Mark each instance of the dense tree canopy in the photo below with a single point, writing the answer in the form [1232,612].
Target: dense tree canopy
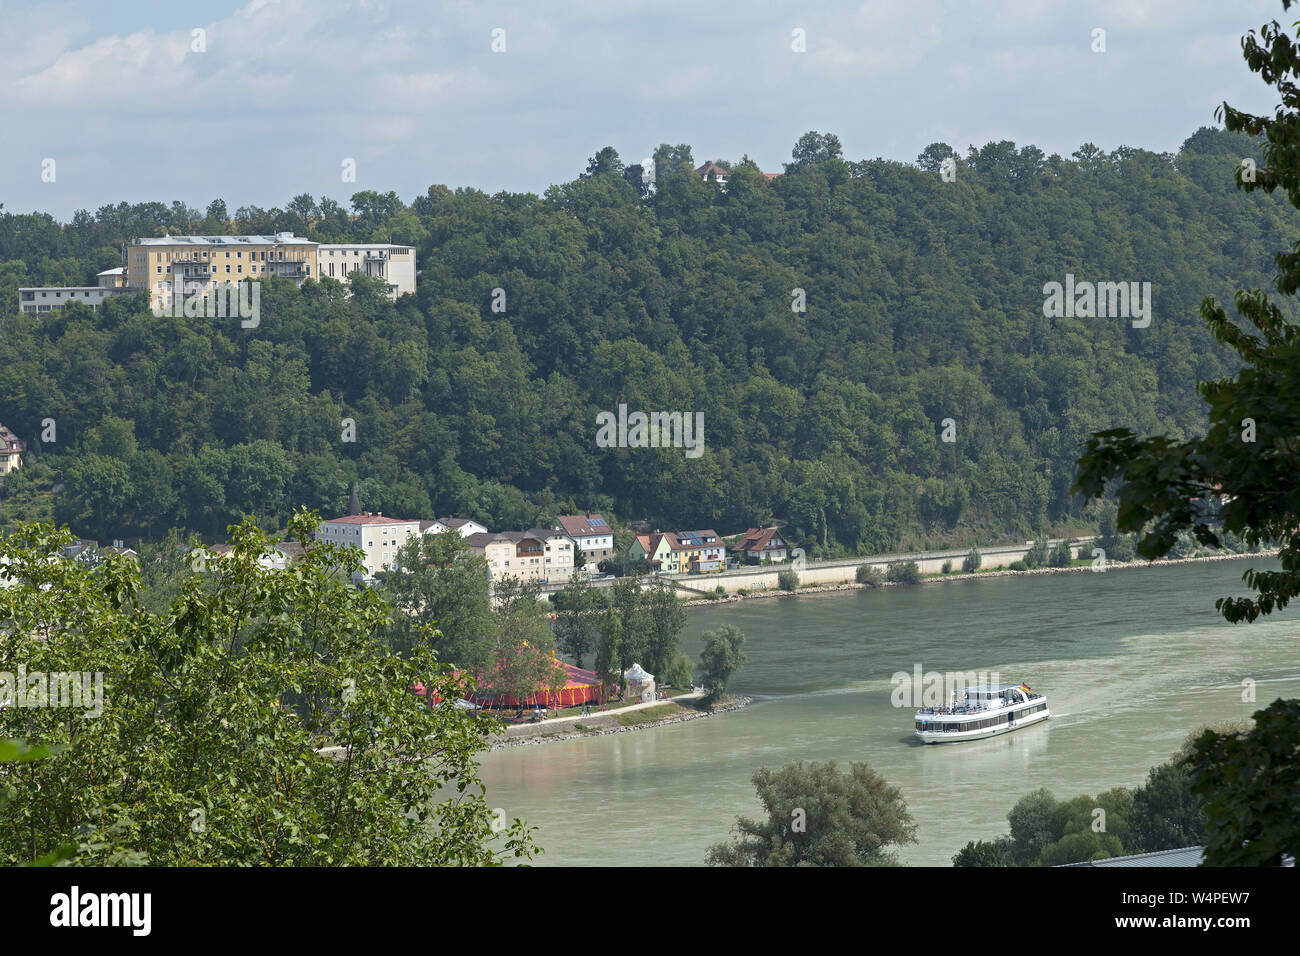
[818,815]
[258,720]
[825,322]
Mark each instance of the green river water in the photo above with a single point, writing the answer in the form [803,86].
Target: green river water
[1130,661]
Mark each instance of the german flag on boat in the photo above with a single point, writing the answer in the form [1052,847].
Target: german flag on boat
[1024,687]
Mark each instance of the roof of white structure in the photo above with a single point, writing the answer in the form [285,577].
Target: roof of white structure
[1184,856]
[361,245]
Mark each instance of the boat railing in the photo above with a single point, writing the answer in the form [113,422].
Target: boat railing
[955,711]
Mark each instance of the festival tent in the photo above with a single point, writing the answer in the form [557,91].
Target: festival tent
[581,687]
[640,683]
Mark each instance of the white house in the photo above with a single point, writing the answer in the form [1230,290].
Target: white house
[465,526]
[592,534]
[378,537]
[557,566]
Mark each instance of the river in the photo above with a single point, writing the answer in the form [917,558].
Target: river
[1130,661]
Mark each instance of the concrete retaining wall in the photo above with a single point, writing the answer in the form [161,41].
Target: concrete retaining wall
[841,571]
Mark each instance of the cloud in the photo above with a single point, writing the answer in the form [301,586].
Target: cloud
[412,90]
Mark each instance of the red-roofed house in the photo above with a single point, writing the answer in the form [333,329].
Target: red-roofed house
[716,170]
[763,544]
[592,534]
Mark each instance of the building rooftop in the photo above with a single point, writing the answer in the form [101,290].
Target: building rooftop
[364,245]
[1186,856]
[369,519]
[757,539]
[279,239]
[586,525]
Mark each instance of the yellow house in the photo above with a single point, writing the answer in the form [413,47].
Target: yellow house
[169,267]
[701,552]
[11,451]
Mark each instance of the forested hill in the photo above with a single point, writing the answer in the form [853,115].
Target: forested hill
[924,302]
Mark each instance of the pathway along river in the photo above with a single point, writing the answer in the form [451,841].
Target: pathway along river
[1130,660]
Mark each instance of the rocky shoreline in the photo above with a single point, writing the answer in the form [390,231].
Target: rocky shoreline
[733,703]
[962,576]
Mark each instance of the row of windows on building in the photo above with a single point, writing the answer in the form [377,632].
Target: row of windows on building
[202,255]
[71,293]
[987,722]
[239,269]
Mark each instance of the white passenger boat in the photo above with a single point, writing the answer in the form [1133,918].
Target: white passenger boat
[979,712]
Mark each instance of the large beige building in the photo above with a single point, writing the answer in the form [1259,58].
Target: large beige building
[394,264]
[538,554]
[378,537]
[173,266]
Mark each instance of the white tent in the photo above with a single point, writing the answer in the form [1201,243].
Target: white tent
[640,683]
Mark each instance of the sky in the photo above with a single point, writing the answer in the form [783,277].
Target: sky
[257,102]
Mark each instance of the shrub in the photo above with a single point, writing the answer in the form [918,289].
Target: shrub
[1036,556]
[870,574]
[1121,549]
[971,563]
[947,566]
[677,672]
[1018,566]
[787,580]
[903,572]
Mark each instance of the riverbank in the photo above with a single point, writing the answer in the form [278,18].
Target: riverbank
[608,722]
[805,591]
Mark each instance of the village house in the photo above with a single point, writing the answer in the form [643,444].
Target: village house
[559,552]
[702,552]
[719,174]
[543,555]
[465,526]
[657,549]
[592,534]
[681,552]
[763,545]
[11,451]
[716,170]
[378,537]
[278,558]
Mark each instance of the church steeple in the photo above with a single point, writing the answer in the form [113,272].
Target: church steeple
[354,503]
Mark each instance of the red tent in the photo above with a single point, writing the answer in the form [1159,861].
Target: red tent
[582,687]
